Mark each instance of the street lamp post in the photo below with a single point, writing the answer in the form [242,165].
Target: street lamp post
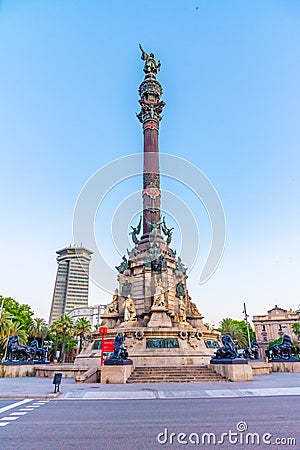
[247,324]
[46,346]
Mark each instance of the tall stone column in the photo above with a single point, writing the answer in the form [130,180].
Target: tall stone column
[150,92]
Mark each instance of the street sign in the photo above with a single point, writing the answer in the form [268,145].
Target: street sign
[102,331]
[108,345]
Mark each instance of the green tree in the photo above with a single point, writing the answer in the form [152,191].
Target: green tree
[38,329]
[237,329]
[56,329]
[67,329]
[14,319]
[276,341]
[4,324]
[296,329]
[14,327]
[71,343]
[82,326]
[21,313]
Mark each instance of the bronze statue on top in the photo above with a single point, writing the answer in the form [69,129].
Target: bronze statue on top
[150,64]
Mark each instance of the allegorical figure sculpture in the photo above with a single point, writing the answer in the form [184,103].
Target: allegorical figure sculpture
[150,64]
[228,350]
[180,266]
[16,350]
[129,310]
[136,231]
[123,266]
[113,307]
[153,227]
[181,310]
[180,290]
[126,289]
[252,351]
[281,351]
[120,354]
[37,351]
[159,295]
[192,308]
[167,231]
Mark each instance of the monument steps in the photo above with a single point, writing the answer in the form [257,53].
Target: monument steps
[174,374]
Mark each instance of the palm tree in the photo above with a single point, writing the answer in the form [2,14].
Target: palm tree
[67,328]
[56,328]
[82,326]
[4,324]
[38,329]
[229,326]
[14,328]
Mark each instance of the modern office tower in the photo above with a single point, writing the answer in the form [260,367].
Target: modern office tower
[72,281]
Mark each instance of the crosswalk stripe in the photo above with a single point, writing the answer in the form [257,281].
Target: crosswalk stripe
[9,418]
[14,405]
[2,424]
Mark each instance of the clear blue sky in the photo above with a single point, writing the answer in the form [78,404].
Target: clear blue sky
[230,70]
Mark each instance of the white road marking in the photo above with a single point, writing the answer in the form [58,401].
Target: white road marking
[15,405]
[21,412]
[9,418]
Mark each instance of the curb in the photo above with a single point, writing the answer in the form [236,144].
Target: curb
[4,396]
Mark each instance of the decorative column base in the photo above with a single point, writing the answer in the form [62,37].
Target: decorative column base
[130,323]
[159,318]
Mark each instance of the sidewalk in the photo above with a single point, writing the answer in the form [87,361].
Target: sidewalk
[263,385]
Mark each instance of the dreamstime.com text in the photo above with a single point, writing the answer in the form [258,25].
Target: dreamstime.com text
[241,436]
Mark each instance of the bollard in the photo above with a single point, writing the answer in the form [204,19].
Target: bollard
[57,381]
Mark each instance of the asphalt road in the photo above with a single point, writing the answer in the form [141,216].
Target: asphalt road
[136,424]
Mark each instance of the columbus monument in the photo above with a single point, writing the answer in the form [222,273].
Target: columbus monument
[151,305]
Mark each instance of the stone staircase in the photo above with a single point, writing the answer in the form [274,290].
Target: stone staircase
[174,374]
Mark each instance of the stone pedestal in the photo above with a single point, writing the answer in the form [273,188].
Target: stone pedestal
[189,346]
[260,367]
[109,319]
[17,370]
[159,318]
[116,374]
[234,372]
[287,366]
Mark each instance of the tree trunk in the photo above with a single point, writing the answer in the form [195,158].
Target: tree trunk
[56,347]
[62,356]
